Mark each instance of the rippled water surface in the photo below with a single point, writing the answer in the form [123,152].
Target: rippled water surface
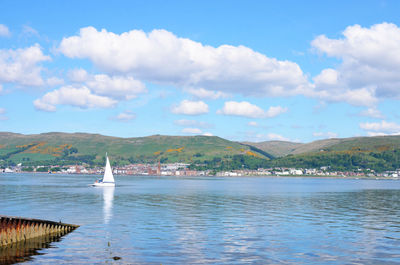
[200,220]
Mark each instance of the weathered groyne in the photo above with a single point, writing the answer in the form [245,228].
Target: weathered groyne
[18,229]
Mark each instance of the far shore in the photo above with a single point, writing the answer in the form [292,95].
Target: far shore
[194,176]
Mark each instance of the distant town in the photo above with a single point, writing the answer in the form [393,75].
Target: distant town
[182,169]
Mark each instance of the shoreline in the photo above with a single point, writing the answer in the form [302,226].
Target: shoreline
[195,176]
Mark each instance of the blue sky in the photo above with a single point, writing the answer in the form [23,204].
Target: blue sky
[241,70]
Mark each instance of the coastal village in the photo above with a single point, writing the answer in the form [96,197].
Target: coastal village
[182,169]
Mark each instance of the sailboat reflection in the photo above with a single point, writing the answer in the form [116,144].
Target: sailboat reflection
[108,197]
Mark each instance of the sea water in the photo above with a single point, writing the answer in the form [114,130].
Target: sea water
[211,220]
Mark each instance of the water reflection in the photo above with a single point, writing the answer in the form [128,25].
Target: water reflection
[24,250]
[108,197]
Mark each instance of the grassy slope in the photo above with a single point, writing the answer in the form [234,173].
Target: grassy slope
[280,148]
[172,148]
[276,148]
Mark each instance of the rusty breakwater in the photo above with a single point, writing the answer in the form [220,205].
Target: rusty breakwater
[18,229]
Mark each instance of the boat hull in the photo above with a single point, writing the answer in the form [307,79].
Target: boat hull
[103,184]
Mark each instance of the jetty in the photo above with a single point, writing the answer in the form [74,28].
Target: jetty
[18,229]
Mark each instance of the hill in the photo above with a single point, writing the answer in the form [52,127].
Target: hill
[276,148]
[65,148]
[202,152]
[282,148]
[378,153]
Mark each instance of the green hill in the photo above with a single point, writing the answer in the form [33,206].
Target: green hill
[66,148]
[379,153]
[202,152]
[276,148]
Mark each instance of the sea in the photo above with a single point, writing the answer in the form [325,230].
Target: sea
[210,220]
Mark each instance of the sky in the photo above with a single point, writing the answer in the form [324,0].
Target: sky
[242,70]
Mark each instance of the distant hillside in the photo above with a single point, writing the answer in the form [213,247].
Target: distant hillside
[378,153]
[276,148]
[282,148]
[202,152]
[64,148]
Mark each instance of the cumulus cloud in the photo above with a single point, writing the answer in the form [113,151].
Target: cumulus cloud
[118,87]
[4,32]
[372,112]
[80,97]
[188,107]
[369,69]
[246,109]
[125,116]
[325,134]
[192,130]
[114,86]
[21,66]
[192,123]
[162,57]
[108,89]
[206,94]
[380,128]
[207,134]
[54,81]
[78,75]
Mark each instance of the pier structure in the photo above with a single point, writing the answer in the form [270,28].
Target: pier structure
[18,229]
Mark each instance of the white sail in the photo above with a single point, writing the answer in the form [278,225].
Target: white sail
[108,175]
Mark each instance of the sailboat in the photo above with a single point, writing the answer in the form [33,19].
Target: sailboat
[108,178]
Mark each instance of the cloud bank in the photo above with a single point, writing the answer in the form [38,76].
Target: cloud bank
[161,57]
[246,109]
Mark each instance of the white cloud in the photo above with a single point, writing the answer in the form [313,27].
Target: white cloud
[206,94]
[162,57]
[252,123]
[368,72]
[78,75]
[54,81]
[188,107]
[372,112]
[327,77]
[276,137]
[325,134]
[275,111]
[4,32]
[107,89]
[74,96]
[125,116]
[370,65]
[29,31]
[192,130]
[3,117]
[207,134]
[381,128]
[271,137]
[21,66]
[382,133]
[115,86]
[246,109]
[192,123]
[118,87]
